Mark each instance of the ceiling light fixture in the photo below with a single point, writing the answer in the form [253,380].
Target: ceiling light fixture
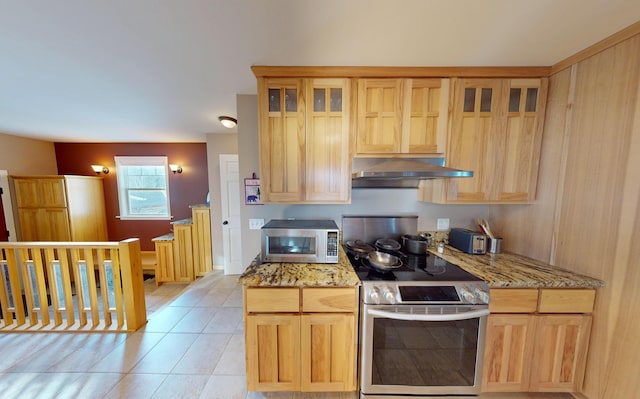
[100,169]
[228,121]
[175,168]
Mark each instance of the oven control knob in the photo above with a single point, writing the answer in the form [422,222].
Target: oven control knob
[467,295]
[388,295]
[374,295]
[482,296]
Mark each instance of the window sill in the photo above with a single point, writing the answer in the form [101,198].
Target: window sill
[144,217]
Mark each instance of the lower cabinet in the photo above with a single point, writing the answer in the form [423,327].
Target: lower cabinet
[301,339]
[530,351]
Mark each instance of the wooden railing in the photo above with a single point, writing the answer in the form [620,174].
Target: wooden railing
[71,286]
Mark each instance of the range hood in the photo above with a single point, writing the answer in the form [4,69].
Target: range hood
[400,172]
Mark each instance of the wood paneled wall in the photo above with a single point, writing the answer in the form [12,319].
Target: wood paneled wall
[587,212]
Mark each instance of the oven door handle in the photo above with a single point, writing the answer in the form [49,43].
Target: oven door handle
[429,317]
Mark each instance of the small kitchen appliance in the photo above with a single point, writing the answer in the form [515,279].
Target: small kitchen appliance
[300,241]
[422,324]
[471,242]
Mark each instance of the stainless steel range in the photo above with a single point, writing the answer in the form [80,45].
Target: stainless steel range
[422,319]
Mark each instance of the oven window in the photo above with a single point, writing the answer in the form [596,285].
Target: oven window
[292,245]
[419,353]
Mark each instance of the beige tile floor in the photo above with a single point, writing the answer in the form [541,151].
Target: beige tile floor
[191,347]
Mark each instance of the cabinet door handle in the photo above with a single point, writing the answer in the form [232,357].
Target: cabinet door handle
[226,222]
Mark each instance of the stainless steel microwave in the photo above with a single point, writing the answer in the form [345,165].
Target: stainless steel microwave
[300,241]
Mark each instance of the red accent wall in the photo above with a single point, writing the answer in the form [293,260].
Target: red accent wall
[185,189]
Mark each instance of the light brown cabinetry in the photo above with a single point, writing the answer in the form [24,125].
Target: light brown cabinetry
[496,131]
[185,254]
[202,254]
[301,339]
[164,259]
[304,140]
[398,117]
[60,208]
[528,350]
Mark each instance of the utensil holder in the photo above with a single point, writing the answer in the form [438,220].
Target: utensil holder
[494,245]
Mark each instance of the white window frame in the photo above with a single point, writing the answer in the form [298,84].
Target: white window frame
[122,162]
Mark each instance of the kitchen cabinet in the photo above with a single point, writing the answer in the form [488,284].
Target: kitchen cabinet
[60,208]
[537,340]
[301,339]
[304,140]
[402,117]
[164,271]
[183,251]
[496,131]
[202,254]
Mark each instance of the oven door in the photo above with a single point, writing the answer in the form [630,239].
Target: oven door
[422,349]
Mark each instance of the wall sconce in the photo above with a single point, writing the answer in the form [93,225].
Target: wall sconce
[228,121]
[100,169]
[175,168]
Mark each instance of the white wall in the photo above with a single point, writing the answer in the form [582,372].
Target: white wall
[363,201]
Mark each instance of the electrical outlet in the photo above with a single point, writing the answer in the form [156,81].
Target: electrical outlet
[442,224]
[255,224]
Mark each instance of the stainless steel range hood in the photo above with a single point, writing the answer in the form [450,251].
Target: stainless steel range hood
[400,172]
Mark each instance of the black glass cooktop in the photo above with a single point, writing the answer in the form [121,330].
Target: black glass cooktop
[426,267]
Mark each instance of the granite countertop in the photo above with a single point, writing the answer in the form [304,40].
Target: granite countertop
[516,271]
[339,274]
[183,221]
[165,237]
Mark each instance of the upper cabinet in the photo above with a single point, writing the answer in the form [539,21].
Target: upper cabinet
[60,208]
[496,131]
[313,120]
[401,117]
[304,140]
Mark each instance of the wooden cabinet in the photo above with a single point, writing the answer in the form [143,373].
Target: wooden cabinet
[402,117]
[164,259]
[185,254]
[202,255]
[60,208]
[496,131]
[304,140]
[183,251]
[301,339]
[537,351]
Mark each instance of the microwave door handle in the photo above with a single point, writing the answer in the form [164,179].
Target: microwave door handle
[429,317]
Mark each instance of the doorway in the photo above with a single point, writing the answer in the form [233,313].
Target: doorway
[230,205]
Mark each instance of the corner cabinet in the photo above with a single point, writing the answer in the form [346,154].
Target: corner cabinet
[301,339]
[537,340]
[402,117]
[60,208]
[304,140]
[496,131]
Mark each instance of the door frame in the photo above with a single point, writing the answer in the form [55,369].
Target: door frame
[7,205]
[227,245]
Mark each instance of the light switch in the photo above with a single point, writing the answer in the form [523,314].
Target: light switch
[442,224]
[256,224]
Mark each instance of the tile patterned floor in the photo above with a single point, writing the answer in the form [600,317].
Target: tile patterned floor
[191,347]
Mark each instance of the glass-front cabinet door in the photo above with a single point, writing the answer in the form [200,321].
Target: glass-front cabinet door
[281,139]
[328,160]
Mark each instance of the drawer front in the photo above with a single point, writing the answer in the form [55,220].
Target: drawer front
[330,299]
[270,300]
[513,300]
[566,300]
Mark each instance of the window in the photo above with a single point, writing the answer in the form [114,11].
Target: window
[143,187]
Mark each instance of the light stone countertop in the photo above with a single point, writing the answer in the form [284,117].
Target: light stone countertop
[339,274]
[516,271]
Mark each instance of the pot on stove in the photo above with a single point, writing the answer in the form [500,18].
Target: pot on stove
[416,244]
[387,244]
